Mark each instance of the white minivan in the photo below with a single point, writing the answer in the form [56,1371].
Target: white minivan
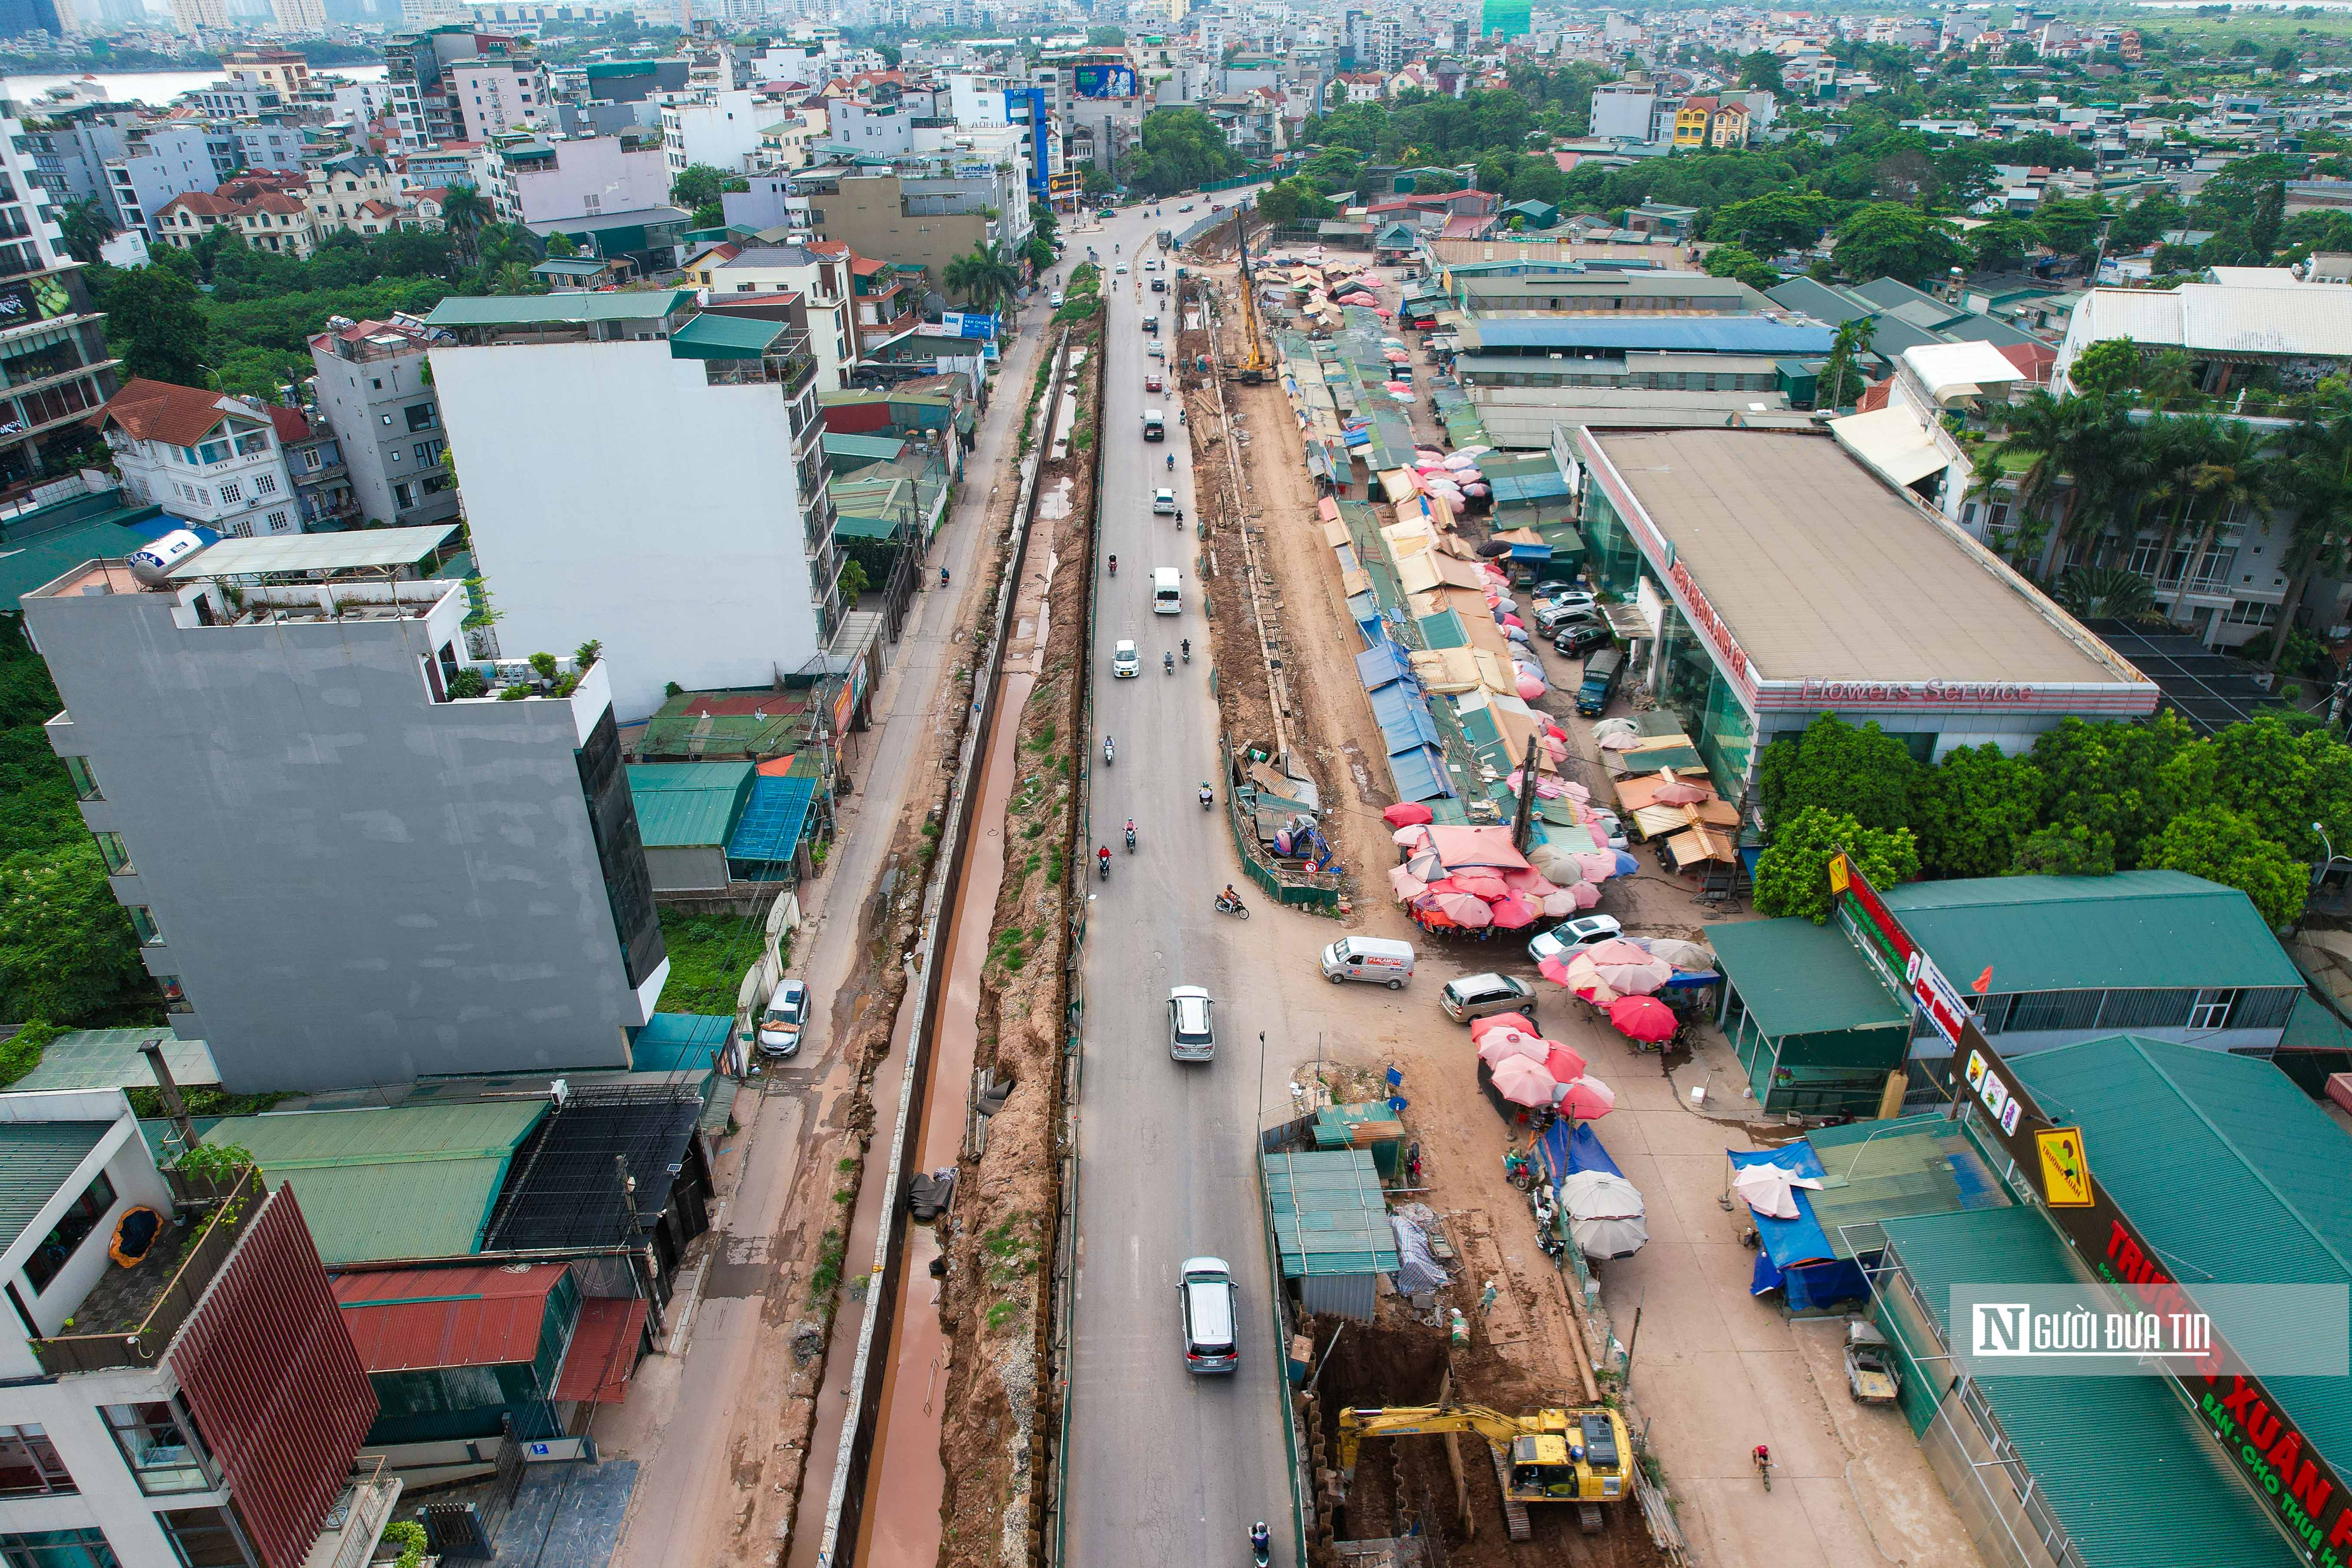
[1167,590]
[1375,958]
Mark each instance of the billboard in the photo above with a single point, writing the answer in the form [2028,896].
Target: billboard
[1512,18]
[968,324]
[1104,82]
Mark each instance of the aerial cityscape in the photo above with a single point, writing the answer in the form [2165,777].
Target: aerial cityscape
[1681,910]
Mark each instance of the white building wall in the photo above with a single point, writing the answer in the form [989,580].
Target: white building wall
[595,166]
[722,132]
[613,494]
[244,495]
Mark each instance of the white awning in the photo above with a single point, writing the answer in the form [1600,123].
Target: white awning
[1892,442]
[356,550]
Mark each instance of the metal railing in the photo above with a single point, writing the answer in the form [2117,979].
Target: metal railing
[144,1345]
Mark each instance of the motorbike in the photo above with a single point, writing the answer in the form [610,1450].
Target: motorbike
[1114,565]
[1102,862]
[1109,751]
[1227,906]
[1130,835]
[1168,662]
[1188,650]
[1206,797]
[1261,1544]
[1545,1210]
[1180,520]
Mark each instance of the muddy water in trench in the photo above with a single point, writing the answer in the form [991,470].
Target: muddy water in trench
[908,1481]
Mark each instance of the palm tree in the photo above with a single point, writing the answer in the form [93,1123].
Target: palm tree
[2052,431]
[2315,477]
[2179,447]
[1852,342]
[514,278]
[2235,475]
[85,227]
[983,277]
[2106,594]
[465,212]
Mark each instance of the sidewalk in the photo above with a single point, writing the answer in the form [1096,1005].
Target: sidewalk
[705,1417]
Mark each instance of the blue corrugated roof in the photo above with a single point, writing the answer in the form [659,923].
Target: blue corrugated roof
[1419,775]
[671,1042]
[770,826]
[1403,717]
[1381,665]
[1719,335]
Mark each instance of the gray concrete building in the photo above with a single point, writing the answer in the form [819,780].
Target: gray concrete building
[373,392]
[342,875]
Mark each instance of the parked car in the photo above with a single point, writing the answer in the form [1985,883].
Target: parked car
[1476,995]
[1551,617]
[1580,638]
[1123,663]
[1571,599]
[1192,1028]
[782,1021]
[1872,1376]
[1204,1288]
[1604,673]
[1569,938]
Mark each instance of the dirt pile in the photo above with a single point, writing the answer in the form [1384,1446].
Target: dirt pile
[996,1301]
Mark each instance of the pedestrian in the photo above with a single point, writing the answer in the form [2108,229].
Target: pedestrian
[1487,1299]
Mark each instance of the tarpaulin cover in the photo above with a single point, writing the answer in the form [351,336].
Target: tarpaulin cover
[1403,718]
[1382,664]
[1569,1148]
[1417,1268]
[1419,776]
[1795,1255]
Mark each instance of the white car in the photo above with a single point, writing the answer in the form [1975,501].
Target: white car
[1185,208]
[781,1024]
[1151,264]
[1123,664]
[1163,504]
[1055,298]
[1570,599]
[1551,618]
[1192,1028]
[1121,269]
[1569,938]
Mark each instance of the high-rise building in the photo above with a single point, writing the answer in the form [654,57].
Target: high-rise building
[342,869]
[55,371]
[373,392]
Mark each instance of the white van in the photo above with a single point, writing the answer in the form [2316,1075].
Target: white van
[1376,958]
[1167,590]
[1155,424]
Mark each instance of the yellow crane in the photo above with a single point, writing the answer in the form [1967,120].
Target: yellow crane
[1252,368]
[1582,1455]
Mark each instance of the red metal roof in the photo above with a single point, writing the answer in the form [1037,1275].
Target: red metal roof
[604,1350]
[406,1320]
[272,1379]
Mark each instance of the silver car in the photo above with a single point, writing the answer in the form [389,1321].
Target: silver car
[1569,938]
[1192,1025]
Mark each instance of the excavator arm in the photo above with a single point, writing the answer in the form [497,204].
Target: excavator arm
[1407,1420]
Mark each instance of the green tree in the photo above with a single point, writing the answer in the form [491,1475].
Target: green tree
[981,278]
[66,951]
[1767,224]
[2110,365]
[1732,261]
[701,185]
[2147,220]
[2227,846]
[2283,61]
[153,322]
[465,212]
[85,227]
[1864,773]
[1841,373]
[1099,182]
[2106,594]
[1973,810]
[1792,874]
[2059,851]
[2110,778]
[1105,37]
[2001,244]
[2280,774]
[2070,225]
[1884,239]
[1293,203]
[560,245]
[1177,149]
[2315,482]
[2262,228]
[1761,68]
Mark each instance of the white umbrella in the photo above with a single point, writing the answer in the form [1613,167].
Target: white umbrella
[1605,1213]
[1767,1187]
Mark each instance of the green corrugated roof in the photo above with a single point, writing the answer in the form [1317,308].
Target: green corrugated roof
[1327,1214]
[2228,1168]
[879,447]
[110,1058]
[411,1182]
[724,336]
[2123,1466]
[688,805]
[2312,1027]
[1797,978]
[1876,1171]
[555,309]
[2157,930]
[37,1158]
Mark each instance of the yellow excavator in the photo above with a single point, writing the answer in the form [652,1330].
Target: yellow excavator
[1582,1455]
[1250,368]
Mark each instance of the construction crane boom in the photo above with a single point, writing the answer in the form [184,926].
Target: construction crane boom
[1253,365]
[1583,1455]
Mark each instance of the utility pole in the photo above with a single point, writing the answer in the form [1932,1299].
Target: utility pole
[1523,827]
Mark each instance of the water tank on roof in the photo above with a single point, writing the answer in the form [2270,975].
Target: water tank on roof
[151,564]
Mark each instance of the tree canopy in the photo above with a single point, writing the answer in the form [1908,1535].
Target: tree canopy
[1177,149]
[1792,874]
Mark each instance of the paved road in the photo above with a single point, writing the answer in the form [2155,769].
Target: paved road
[1164,1466]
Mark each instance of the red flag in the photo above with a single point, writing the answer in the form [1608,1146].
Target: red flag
[1983,982]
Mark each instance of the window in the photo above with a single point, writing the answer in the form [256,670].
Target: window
[420,417]
[83,1548]
[205,1538]
[117,856]
[428,452]
[156,1447]
[252,444]
[2213,1010]
[71,1230]
[1996,515]
[265,484]
[29,1464]
[232,491]
[214,451]
[277,522]
[143,920]
[403,495]
[84,783]
[241,528]
[176,996]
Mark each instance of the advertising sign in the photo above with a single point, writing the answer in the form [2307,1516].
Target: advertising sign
[2310,1499]
[1935,996]
[33,300]
[968,324]
[1104,82]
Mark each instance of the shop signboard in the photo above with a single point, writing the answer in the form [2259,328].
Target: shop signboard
[1103,82]
[2309,1497]
[967,324]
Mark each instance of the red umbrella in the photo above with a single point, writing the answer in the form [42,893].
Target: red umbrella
[1513,912]
[1588,1098]
[1481,1027]
[1523,1082]
[1643,1018]
[1406,814]
[1562,1062]
[1554,969]
[1481,884]
[1511,1043]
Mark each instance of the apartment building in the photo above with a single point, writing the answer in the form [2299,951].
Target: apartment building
[163,159]
[926,214]
[282,71]
[352,192]
[55,369]
[428,883]
[130,1433]
[819,274]
[637,472]
[722,129]
[373,394]
[314,460]
[451,83]
[202,456]
[589,177]
[498,95]
[268,220]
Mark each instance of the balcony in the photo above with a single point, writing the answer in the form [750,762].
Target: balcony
[135,1312]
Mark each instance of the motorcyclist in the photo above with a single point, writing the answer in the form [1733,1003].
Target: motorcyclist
[1205,795]
[1188,650]
[1762,1457]
[1179,516]
[1102,855]
[1172,462]
[1109,751]
[1261,1541]
[1114,565]
[1168,662]
[943,576]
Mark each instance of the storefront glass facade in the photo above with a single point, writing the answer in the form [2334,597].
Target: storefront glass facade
[1612,560]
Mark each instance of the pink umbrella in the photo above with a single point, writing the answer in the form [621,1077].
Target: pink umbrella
[1465,910]
[1412,834]
[1515,621]
[1587,894]
[1600,865]
[1524,1083]
[1482,884]
[1588,1098]
[1425,865]
[1561,904]
[1481,1028]
[1408,886]
[1505,1043]
[1599,832]
[1529,689]
[1547,787]
[1528,882]
[1617,949]
[1562,1062]
[1636,979]
[1513,912]
[1556,749]
[1406,814]
[1585,979]
[1643,1018]
[1680,793]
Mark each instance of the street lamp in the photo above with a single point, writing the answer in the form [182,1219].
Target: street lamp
[2318,875]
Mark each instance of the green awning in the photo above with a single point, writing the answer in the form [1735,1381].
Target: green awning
[1797,978]
[712,336]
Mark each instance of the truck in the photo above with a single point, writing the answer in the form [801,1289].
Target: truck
[1167,239]
[1155,424]
[1167,590]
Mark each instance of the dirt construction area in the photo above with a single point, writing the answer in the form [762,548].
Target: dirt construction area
[1715,1370]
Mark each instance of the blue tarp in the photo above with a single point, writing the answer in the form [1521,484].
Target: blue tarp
[1531,552]
[1419,775]
[1565,1153]
[770,827]
[672,1041]
[1692,980]
[1381,665]
[1795,1256]
[1403,718]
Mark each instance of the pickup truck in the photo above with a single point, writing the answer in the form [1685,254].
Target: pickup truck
[1870,1375]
